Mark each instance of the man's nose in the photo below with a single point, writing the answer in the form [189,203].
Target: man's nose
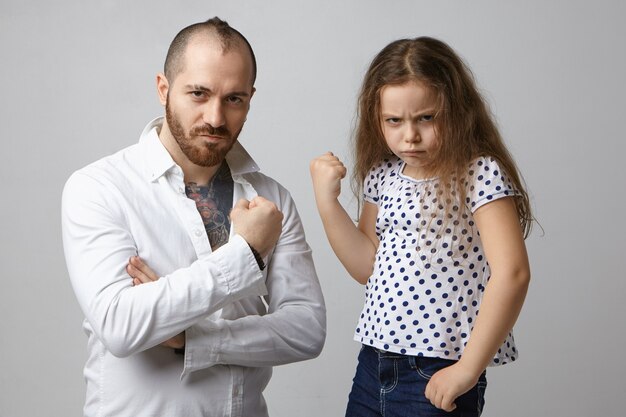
[214,113]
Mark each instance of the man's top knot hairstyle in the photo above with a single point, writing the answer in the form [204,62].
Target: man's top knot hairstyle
[228,36]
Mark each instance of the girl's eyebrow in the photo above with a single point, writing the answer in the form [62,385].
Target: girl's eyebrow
[419,113]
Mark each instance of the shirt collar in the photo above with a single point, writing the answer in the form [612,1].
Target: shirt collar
[157,160]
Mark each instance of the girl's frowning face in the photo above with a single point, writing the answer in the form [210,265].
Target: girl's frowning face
[408,124]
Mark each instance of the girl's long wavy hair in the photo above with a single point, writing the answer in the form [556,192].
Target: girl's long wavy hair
[464,125]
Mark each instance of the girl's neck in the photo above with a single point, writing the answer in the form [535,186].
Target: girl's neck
[413,172]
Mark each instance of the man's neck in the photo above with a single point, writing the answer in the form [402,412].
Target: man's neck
[198,174]
[192,173]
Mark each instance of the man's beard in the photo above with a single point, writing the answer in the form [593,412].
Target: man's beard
[201,153]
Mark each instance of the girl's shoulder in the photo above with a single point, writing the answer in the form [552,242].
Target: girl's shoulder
[483,163]
[388,166]
[485,168]
[485,182]
[376,179]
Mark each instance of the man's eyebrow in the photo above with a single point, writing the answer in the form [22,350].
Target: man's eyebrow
[196,87]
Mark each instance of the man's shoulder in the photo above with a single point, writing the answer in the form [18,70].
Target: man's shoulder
[269,188]
[260,180]
[110,170]
[112,164]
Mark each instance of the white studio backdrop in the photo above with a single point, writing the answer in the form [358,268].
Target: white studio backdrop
[78,84]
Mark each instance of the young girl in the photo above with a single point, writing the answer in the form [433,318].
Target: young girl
[440,235]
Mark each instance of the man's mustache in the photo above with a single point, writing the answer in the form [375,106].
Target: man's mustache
[211,131]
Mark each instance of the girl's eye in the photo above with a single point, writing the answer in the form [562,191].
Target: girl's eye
[392,120]
[426,118]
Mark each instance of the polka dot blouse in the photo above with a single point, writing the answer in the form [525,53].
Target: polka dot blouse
[430,270]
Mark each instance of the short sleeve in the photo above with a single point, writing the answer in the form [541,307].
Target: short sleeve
[371,184]
[375,180]
[486,182]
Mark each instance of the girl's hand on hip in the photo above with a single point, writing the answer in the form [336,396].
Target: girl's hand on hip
[448,384]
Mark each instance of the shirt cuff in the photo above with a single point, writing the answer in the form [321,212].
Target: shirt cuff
[240,269]
[202,346]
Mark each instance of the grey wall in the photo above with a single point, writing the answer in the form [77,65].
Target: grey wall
[77,80]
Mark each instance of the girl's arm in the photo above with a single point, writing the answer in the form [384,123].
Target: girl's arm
[503,242]
[354,246]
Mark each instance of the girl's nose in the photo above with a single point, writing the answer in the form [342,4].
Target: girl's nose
[412,134]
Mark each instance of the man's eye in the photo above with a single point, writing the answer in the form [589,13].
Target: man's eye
[234,100]
[197,94]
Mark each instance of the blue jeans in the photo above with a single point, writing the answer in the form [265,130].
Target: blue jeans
[392,385]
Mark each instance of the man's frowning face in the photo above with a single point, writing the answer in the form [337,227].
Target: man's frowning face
[208,100]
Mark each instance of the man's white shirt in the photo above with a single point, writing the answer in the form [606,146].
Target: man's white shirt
[238,320]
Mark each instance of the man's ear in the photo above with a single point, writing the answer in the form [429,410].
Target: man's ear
[163,86]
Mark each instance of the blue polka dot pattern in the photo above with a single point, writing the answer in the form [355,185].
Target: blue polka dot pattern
[430,271]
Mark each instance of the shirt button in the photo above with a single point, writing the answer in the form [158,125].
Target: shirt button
[180,190]
[197,232]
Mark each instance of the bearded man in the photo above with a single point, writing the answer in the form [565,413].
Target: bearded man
[191,267]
